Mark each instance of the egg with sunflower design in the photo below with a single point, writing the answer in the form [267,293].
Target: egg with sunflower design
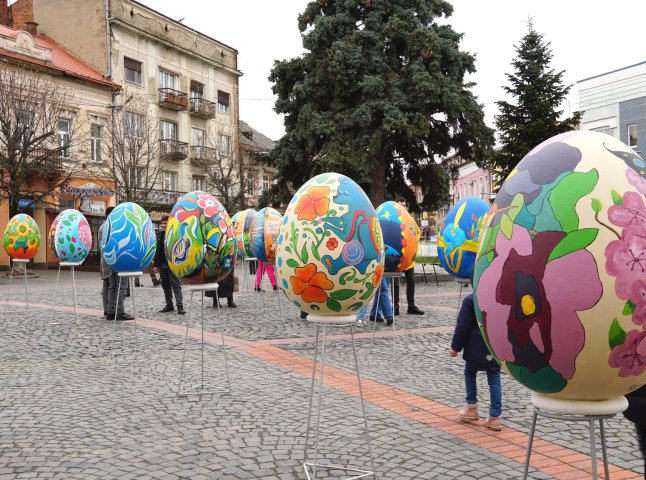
[459,236]
[21,237]
[330,254]
[128,241]
[401,236]
[263,234]
[200,240]
[560,277]
[241,224]
[70,237]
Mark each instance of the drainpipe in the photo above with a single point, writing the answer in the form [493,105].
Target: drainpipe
[108,43]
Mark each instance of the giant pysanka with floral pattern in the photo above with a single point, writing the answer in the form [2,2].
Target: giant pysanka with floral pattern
[560,277]
[330,254]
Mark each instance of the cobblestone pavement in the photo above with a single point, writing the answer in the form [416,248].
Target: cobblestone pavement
[71,408]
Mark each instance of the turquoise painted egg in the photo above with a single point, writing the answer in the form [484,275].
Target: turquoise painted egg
[128,239]
[21,237]
[401,236]
[241,224]
[199,243]
[329,258]
[70,236]
[459,236]
[263,234]
[560,277]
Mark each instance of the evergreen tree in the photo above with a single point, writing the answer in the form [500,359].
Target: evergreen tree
[378,96]
[536,116]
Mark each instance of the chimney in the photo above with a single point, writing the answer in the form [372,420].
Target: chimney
[4,13]
[32,27]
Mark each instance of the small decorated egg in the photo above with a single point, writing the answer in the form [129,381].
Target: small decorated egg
[560,277]
[330,248]
[128,239]
[199,243]
[263,234]
[401,236]
[459,236]
[241,224]
[70,237]
[21,237]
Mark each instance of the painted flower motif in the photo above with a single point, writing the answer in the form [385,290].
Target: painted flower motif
[310,284]
[376,277]
[313,203]
[630,356]
[631,212]
[637,295]
[208,204]
[626,258]
[529,306]
[332,243]
[85,233]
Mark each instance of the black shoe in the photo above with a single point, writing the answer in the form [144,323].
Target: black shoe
[105,314]
[303,315]
[414,311]
[231,304]
[156,282]
[124,316]
[167,308]
[378,320]
[389,320]
[258,289]
[396,310]
[181,311]
[275,287]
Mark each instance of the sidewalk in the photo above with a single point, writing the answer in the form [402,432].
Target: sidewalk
[70,409]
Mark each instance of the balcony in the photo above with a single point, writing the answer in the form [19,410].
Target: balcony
[201,108]
[52,163]
[173,150]
[173,99]
[202,156]
[164,197]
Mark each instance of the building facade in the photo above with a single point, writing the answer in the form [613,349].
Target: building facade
[254,152]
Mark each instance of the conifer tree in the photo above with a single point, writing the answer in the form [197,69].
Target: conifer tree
[379,95]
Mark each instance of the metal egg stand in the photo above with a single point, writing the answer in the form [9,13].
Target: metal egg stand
[129,276]
[58,276]
[13,262]
[395,348]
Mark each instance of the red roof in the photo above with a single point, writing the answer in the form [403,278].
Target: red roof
[62,60]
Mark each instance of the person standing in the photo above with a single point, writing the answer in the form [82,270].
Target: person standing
[114,290]
[169,281]
[636,413]
[225,290]
[262,268]
[477,358]
[409,275]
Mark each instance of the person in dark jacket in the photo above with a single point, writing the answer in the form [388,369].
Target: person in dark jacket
[477,358]
[225,290]
[170,283]
[636,413]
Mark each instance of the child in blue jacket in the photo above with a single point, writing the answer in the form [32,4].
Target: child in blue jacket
[477,358]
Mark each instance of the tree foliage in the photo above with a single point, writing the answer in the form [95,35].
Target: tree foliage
[379,95]
[34,156]
[539,92]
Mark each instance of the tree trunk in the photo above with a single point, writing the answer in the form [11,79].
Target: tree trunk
[378,181]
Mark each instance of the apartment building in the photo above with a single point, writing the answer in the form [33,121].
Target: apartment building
[255,148]
[189,79]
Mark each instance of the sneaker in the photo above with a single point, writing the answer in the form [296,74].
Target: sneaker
[415,311]
[469,413]
[493,423]
[360,323]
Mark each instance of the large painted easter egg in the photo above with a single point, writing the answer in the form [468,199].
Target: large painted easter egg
[21,237]
[200,243]
[128,239]
[560,278]
[459,236]
[330,249]
[241,224]
[263,234]
[70,237]
[401,236]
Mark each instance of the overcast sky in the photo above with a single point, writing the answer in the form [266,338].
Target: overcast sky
[587,38]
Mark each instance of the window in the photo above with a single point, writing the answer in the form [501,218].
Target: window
[95,142]
[199,183]
[167,80]
[223,102]
[64,136]
[197,137]
[225,145]
[265,181]
[132,70]
[632,135]
[168,130]
[250,184]
[25,122]
[169,180]
[66,203]
[137,177]
[197,89]
[134,124]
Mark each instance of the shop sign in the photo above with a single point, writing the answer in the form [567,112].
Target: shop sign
[94,207]
[26,203]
